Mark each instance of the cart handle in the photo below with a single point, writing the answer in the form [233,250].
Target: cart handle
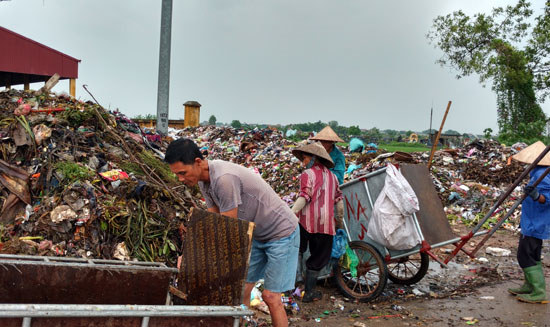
[467,237]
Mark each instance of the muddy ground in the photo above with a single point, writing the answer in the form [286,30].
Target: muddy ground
[468,292]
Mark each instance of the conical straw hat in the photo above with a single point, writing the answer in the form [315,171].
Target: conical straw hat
[315,149]
[530,153]
[326,134]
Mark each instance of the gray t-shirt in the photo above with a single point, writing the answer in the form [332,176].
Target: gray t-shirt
[233,186]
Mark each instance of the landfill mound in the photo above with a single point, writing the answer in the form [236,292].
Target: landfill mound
[77,180]
[264,151]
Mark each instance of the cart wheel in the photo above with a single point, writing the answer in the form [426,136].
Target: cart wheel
[372,274]
[409,270]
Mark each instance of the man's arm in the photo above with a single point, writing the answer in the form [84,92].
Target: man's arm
[213,209]
[231,213]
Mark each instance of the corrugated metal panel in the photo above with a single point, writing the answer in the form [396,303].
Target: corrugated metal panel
[23,55]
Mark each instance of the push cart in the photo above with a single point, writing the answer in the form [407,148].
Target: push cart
[378,263]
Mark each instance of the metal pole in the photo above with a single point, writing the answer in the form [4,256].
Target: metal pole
[431,116]
[434,146]
[164,67]
[145,322]
[113,310]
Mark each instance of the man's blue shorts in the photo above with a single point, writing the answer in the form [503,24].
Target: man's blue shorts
[275,262]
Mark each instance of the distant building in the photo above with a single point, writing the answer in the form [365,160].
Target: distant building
[24,61]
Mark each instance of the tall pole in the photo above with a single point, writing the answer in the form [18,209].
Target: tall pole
[434,146]
[164,67]
[431,116]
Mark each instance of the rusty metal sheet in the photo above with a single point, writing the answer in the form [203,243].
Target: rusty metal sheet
[431,217]
[121,322]
[39,281]
[216,250]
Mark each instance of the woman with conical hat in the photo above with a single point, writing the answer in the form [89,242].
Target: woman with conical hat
[319,195]
[328,138]
[535,227]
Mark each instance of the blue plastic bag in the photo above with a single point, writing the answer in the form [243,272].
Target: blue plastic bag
[339,244]
[356,145]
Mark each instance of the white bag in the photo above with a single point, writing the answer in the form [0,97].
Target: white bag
[391,223]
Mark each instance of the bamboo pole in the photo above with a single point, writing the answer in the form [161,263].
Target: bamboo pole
[434,146]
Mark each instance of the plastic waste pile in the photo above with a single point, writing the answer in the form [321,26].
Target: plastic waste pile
[77,180]
[470,179]
[265,151]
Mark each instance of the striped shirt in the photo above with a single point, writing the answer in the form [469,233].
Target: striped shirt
[319,186]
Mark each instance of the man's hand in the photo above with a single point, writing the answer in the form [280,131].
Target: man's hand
[299,205]
[532,192]
[339,217]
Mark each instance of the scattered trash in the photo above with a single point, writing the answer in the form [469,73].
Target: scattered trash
[498,252]
[417,292]
[396,307]
[121,253]
[62,213]
[384,316]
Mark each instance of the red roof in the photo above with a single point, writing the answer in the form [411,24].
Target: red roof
[22,56]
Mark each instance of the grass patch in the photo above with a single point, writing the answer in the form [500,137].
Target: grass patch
[73,172]
[159,166]
[132,167]
[404,147]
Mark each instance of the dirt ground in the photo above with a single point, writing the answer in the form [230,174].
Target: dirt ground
[468,292]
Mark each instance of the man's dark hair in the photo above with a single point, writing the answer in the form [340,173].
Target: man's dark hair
[182,150]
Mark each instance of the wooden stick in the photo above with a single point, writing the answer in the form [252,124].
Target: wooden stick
[177,293]
[49,84]
[434,146]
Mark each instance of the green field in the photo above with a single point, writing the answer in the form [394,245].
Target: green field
[404,147]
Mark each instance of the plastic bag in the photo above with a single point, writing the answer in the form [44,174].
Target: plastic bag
[356,145]
[350,261]
[391,224]
[339,244]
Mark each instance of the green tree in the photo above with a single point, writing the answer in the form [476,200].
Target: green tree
[333,124]
[487,132]
[354,130]
[212,120]
[391,134]
[430,131]
[502,48]
[451,132]
[373,135]
[236,124]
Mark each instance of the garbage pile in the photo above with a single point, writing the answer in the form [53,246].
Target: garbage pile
[471,179]
[79,181]
[265,151]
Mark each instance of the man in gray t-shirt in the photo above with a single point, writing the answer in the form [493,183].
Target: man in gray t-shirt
[238,192]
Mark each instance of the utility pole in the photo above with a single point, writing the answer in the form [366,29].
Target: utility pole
[163,95]
[431,116]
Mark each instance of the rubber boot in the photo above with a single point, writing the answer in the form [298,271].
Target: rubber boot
[311,281]
[526,288]
[535,276]
[300,269]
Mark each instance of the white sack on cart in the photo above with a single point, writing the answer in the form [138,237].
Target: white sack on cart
[391,224]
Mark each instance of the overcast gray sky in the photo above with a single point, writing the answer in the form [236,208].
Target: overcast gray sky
[365,63]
